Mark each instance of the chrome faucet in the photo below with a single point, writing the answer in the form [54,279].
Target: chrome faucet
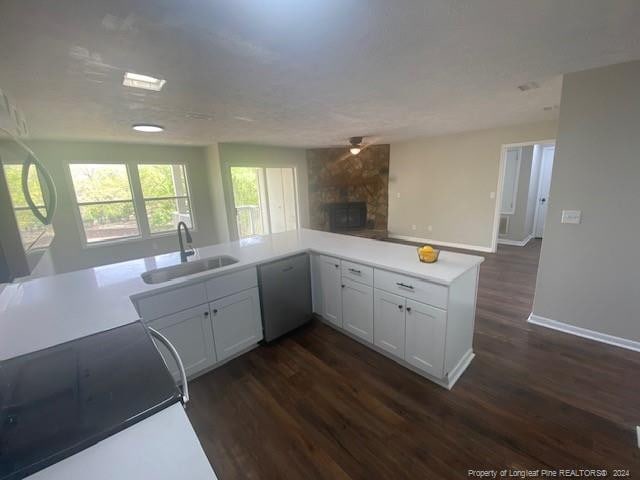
[184,254]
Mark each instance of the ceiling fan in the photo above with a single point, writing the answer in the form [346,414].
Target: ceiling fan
[356,145]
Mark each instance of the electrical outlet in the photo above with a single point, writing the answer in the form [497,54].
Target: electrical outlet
[413,227]
[398,195]
[571,216]
[492,195]
[430,228]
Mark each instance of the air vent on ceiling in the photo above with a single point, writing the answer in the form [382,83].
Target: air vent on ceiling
[528,86]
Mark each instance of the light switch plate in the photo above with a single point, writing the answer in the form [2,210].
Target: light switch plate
[492,195]
[571,216]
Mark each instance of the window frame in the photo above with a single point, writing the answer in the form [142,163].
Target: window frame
[145,199]
[137,199]
[16,209]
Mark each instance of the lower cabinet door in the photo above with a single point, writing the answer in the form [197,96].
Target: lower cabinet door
[237,323]
[425,331]
[330,280]
[357,309]
[190,332]
[389,322]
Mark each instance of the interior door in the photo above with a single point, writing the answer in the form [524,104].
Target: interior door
[546,167]
[357,309]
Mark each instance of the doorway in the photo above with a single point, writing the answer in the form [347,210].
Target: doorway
[264,200]
[523,192]
[544,185]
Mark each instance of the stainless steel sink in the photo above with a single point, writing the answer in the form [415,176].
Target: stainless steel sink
[165,274]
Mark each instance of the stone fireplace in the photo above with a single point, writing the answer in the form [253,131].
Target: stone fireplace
[349,193]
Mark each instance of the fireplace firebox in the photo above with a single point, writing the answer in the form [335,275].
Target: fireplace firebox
[347,216]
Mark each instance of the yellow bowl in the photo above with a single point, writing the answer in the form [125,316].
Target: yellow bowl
[436,253]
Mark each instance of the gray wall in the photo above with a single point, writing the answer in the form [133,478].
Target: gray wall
[67,250]
[446,181]
[589,274]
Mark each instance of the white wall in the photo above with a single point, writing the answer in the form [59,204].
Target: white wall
[67,250]
[445,182]
[589,274]
[236,154]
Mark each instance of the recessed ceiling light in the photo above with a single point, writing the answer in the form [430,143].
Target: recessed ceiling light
[528,86]
[147,128]
[146,82]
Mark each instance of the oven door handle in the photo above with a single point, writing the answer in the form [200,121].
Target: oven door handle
[174,353]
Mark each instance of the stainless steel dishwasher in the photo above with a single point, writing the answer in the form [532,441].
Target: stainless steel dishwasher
[285,295]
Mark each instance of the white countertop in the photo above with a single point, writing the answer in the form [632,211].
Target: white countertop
[162,446]
[46,311]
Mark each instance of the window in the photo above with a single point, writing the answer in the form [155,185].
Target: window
[32,232]
[165,194]
[128,200]
[105,201]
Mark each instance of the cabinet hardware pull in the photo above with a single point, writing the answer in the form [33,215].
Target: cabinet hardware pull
[215,310]
[400,284]
[409,309]
[400,307]
[342,286]
[206,314]
[353,270]
[336,265]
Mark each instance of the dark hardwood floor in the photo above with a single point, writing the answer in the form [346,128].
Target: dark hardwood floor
[319,405]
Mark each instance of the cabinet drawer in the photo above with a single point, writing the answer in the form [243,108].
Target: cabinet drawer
[172,301]
[224,285]
[357,272]
[413,288]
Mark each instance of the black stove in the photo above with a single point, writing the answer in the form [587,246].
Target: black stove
[58,401]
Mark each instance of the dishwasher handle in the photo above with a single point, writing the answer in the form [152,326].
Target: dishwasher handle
[174,353]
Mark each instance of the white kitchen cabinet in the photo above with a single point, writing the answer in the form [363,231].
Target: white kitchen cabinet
[425,337]
[316,284]
[330,279]
[237,323]
[190,332]
[389,322]
[357,309]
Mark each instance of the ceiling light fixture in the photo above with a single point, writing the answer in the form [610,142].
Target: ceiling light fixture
[147,128]
[145,82]
[356,145]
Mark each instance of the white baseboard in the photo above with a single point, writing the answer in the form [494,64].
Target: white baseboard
[459,369]
[464,246]
[584,332]
[516,243]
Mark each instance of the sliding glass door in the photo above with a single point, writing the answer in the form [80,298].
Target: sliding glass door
[265,200]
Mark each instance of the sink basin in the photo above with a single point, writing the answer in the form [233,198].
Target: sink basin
[165,274]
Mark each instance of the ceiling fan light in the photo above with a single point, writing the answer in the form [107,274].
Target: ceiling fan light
[355,150]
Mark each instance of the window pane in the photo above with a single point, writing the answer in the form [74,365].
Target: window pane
[13,174]
[164,215]
[33,233]
[100,182]
[109,221]
[162,180]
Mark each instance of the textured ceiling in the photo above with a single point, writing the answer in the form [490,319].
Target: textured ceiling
[306,73]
